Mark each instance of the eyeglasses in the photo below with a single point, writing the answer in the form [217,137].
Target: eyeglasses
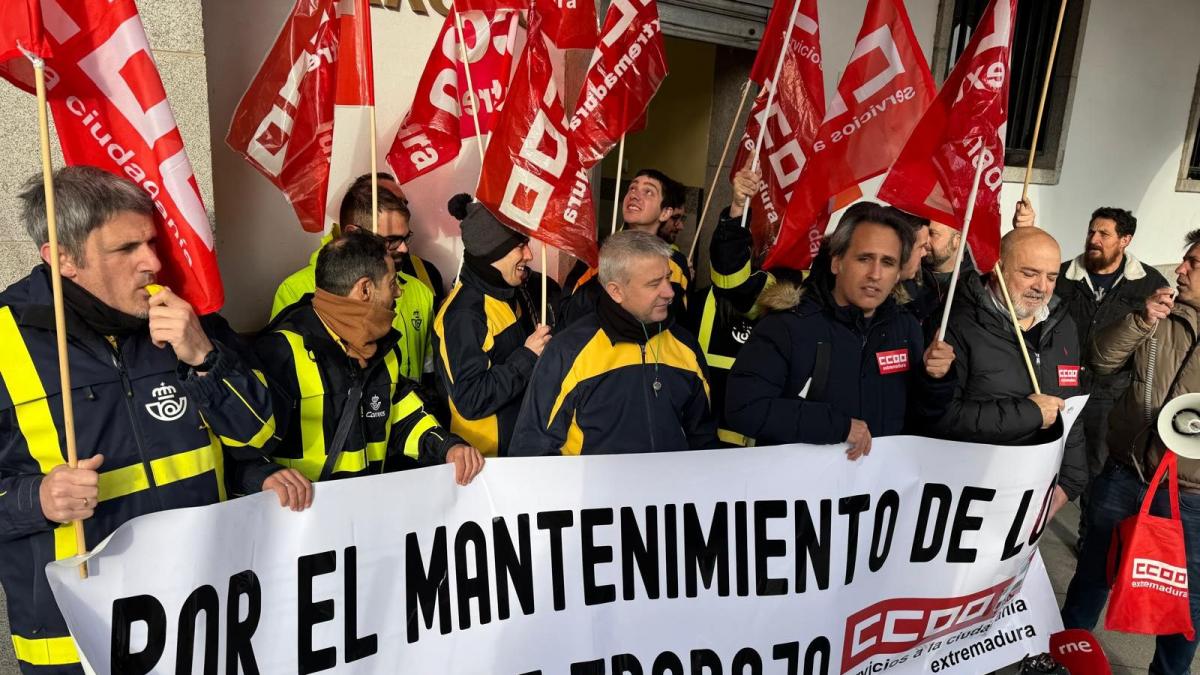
[394,241]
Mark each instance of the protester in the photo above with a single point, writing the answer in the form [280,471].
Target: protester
[994,401]
[627,378]
[918,291]
[333,360]
[650,205]
[836,362]
[1102,285]
[490,332]
[944,241]
[730,310]
[1157,343]
[168,412]
[414,306]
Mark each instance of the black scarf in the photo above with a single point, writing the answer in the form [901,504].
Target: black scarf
[622,326]
[486,273]
[90,310]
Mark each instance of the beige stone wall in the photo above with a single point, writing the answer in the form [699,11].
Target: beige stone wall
[177,37]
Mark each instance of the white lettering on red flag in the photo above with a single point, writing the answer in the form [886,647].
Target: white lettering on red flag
[964,127]
[884,89]
[283,125]
[532,178]
[792,122]
[626,70]
[432,132]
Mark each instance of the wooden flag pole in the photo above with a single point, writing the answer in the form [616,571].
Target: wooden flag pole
[1012,314]
[762,128]
[617,189]
[717,174]
[60,323]
[374,177]
[1037,125]
[962,247]
[545,273]
[462,51]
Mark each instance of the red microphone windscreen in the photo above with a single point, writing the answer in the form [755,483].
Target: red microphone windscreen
[1079,652]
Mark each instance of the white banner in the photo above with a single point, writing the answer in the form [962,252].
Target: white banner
[786,560]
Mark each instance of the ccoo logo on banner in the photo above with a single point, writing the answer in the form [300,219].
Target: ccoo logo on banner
[919,558]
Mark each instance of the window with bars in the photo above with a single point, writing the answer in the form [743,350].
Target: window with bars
[1032,41]
[1189,170]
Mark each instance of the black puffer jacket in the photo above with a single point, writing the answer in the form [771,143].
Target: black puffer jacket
[991,403]
[873,371]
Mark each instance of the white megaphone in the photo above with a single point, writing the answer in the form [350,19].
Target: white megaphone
[1179,425]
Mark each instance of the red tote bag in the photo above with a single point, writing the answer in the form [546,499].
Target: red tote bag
[1147,563]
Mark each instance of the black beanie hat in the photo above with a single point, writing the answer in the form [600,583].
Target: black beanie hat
[483,235]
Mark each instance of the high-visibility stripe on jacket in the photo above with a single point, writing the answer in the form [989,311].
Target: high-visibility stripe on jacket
[414,311]
[482,363]
[311,375]
[584,289]
[170,439]
[598,391]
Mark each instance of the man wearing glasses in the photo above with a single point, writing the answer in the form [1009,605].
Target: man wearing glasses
[415,304]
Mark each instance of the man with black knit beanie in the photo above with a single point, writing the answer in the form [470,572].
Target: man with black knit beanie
[490,332]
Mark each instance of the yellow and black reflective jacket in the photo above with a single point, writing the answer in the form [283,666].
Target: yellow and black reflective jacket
[311,375]
[609,384]
[170,439]
[482,363]
[428,275]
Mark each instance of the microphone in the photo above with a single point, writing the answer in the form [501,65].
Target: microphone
[1079,652]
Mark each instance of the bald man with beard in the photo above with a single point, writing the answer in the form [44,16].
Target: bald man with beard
[994,401]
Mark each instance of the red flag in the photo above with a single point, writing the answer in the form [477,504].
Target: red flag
[965,125]
[21,34]
[532,178]
[796,113]
[569,24]
[354,98]
[283,125]
[434,128]
[355,60]
[627,67]
[883,92]
[111,111]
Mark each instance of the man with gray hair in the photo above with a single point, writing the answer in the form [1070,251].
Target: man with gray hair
[169,398]
[625,378]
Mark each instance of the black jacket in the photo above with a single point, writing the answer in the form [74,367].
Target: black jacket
[310,375]
[1137,282]
[481,360]
[609,384]
[872,370]
[170,439]
[991,402]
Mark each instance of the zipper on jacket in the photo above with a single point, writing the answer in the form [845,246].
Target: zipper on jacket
[646,397]
[138,441]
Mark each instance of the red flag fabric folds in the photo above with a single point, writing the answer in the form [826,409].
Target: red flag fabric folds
[434,128]
[965,125]
[21,33]
[283,125]
[883,92]
[111,111]
[627,67]
[569,24]
[532,178]
[796,113]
